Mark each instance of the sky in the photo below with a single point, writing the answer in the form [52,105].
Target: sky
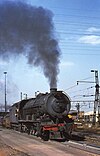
[77,30]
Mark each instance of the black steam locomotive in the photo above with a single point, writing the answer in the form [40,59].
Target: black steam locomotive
[45,116]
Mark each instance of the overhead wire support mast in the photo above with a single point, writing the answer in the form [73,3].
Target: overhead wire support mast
[97,98]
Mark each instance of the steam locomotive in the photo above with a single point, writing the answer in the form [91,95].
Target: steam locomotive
[45,116]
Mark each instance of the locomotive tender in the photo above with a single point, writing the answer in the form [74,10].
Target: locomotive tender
[45,116]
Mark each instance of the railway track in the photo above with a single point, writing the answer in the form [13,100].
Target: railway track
[84,147]
[90,139]
[84,141]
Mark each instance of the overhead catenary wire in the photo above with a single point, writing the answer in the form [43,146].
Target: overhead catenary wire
[77,28]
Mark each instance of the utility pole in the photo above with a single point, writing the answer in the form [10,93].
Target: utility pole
[21,96]
[78,109]
[5,73]
[97,100]
[99,113]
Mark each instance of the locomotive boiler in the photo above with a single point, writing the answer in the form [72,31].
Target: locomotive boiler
[55,104]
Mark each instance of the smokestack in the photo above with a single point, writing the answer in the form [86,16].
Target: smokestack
[29,31]
[53,90]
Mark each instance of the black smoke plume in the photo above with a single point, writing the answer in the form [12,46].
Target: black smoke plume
[29,30]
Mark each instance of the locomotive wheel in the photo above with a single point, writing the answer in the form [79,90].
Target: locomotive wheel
[45,135]
[66,135]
